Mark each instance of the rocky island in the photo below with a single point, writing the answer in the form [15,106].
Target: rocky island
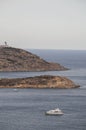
[14,59]
[44,81]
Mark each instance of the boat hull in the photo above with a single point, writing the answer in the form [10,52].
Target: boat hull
[54,114]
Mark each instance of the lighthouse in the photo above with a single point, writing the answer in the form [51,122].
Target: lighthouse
[5,45]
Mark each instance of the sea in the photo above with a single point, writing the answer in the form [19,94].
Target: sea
[24,109]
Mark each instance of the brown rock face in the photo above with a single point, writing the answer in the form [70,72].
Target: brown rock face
[46,81]
[14,59]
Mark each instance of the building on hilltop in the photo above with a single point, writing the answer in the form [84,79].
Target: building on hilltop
[5,45]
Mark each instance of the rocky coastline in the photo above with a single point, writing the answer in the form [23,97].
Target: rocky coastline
[15,59]
[43,81]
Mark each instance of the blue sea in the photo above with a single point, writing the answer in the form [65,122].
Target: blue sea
[25,109]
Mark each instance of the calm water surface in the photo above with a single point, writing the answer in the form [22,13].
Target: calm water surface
[25,109]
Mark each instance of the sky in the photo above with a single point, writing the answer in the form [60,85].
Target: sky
[43,24]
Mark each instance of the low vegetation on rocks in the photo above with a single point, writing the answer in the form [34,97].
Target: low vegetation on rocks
[45,81]
[14,59]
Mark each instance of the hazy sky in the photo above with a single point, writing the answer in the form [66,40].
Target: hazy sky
[46,24]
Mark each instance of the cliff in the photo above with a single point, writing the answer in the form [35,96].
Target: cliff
[14,59]
[46,81]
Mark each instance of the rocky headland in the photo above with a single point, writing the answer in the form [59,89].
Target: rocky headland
[14,59]
[44,81]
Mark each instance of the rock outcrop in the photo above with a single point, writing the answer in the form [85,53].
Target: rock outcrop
[14,59]
[46,81]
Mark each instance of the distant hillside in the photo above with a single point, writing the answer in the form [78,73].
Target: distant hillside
[14,59]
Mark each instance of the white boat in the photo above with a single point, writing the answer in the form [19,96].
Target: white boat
[56,111]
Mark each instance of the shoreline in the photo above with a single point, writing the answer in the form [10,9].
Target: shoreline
[43,81]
